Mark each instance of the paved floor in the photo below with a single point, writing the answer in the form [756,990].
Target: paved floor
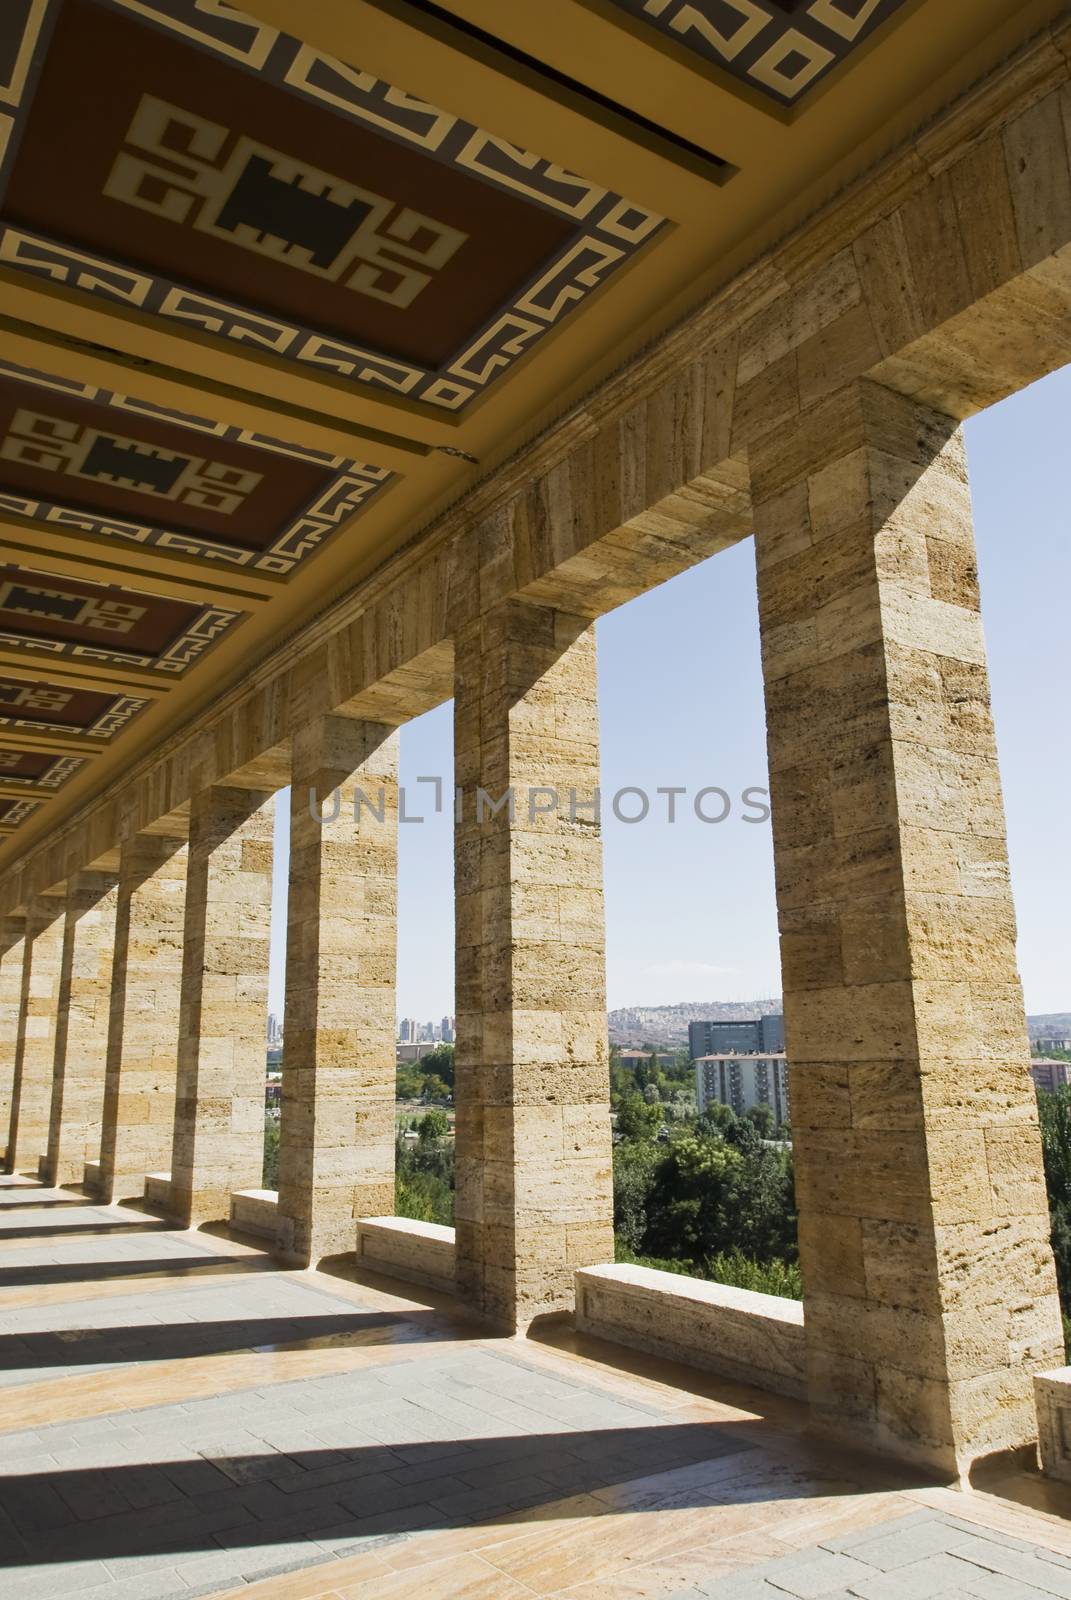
[179,1417]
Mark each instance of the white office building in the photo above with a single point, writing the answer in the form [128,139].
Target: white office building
[743,1081]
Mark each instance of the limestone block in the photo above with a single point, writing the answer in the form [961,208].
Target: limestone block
[219,1103]
[255,1211]
[751,1338]
[81,1052]
[337,1138]
[534,1185]
[39,1003]
[421,1252]
[928,1277]
[12,935]
[1052,1395]
[158,1190]
[142,1050]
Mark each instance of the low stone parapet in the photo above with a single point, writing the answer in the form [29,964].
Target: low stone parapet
[255,1211]
[158,1189]
[91,1176]
[1052,1397]
[752,1338]
[420,1252]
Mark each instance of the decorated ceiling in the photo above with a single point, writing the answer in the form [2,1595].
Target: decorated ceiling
[277,284]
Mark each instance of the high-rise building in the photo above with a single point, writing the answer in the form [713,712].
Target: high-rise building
[405,1031]
[745,1036]
[1049,1076]
[743,1081]
[448,1030]
[275,1029]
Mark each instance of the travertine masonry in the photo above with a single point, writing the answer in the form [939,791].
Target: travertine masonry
[82,1026]
[31,1092]
[12,935]
[139,1083]
[751,1338]
[219,1104]
[534,1186]
[337,1143]
[929,1286]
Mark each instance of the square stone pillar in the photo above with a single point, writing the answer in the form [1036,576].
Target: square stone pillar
[222,1061]
[929,1289]
[31,1089]
[142,1053]
[12,953]
[336,1157]
[82,1028]
[534,1177]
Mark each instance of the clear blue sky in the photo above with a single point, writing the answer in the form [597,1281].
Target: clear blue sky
[690,907]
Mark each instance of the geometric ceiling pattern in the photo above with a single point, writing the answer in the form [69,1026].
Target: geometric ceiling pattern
[82,457]
[65,617]
[264,308]
[284,200]
[39,706]
[781,48]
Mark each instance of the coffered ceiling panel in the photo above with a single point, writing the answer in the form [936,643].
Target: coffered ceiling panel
[12,812]
[280,284]
[36,770]
[35,704]
[782,48]
[178,158]
[94,622]
[79,456]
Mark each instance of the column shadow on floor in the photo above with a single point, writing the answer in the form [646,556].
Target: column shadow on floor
[208,1502]
[179,1341]
[75,1230]
[88,1273]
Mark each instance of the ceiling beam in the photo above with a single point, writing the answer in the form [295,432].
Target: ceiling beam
[427,57]
[289,395]
[74,672]
[94,558]
[20,791]
[50,741]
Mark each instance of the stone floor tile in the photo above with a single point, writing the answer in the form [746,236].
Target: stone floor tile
[922,1580]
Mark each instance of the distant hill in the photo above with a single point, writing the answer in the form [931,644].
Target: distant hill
[669,1024]
[1050,1025]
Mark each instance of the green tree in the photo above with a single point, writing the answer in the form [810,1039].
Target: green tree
[717,1119]
[435,1088]
[635,1164]
[636,1119]
[439,1063]
[271,1153]
[1054,1113]
[433,1126]
[763,1118]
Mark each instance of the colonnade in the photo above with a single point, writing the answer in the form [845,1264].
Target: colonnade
[133,996]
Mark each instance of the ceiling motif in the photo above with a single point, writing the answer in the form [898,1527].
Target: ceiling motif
[37,769]
[236,497]
[52,708]
[780,47]
[177,157]
[12,812]
[98,622]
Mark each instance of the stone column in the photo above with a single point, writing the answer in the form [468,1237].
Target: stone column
[534,1181]
[31,1090]
[219,1108]
[142,1051]
[12,953]
[337,1139]
[930,1295]
[82,1027]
